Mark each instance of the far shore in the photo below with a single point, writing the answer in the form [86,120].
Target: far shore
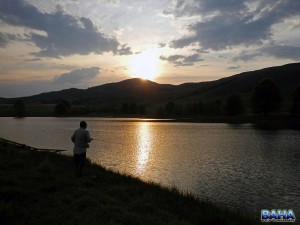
[276,121]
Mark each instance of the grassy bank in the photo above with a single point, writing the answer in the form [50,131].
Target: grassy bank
[41,188]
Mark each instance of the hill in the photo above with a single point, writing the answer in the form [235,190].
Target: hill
[148,92]
[286,76]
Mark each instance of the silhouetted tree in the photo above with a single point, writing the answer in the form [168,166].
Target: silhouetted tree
[63,108]
[142,109]
[266,97]
[296,101]
[234,105]
[124,108]
[188,109]
[200,108]
[86,109]
[215,107]
[20,108]
[194,108]
[177,110]
[170,107]
[160,111]
[133,108]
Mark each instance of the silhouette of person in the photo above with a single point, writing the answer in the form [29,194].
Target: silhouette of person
[80,138]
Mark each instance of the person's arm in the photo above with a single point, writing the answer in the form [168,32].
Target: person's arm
[73,137]
[88,137]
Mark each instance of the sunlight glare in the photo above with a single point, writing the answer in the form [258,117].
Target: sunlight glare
[145,64]
[144,147]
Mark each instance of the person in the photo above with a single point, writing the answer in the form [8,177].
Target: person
[81,139]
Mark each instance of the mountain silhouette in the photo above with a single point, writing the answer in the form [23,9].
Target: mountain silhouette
[148,92]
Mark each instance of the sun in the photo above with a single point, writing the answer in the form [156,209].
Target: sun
[145,65]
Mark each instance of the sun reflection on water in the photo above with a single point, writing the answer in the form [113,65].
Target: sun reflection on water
[144,147]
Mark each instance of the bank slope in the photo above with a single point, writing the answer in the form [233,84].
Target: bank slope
[41,188]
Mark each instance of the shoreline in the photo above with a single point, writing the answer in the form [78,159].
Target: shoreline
[285,121]
[39,186]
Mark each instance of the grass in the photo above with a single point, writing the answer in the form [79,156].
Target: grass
[41,188]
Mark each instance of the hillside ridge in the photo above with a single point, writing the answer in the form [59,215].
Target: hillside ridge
[148,92]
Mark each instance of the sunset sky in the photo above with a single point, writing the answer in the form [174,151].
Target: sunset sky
[48,45]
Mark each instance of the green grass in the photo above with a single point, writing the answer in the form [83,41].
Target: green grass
[41,188]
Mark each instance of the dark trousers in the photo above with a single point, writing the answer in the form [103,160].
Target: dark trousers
[79,160]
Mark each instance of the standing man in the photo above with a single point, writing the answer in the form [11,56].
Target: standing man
[80,138]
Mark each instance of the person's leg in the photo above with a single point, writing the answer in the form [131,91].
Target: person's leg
[81,163]
[76,163]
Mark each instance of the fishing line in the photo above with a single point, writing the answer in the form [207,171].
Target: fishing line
[113,142]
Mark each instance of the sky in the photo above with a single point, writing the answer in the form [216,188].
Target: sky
[50,45]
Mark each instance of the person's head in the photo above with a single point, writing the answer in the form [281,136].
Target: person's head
[83,124]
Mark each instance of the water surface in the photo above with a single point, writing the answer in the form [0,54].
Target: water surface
[233,165]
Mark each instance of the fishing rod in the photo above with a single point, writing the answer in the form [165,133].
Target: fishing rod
[30,147]
[113,142]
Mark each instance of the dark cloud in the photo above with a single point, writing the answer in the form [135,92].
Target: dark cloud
[77,76]
[221,6]
[233,67]
[207,7]
[167,13]
[11,89]
[124,50]
[247,55]
[218,34]
[273,50]
[233,23]
[181,60]
[32,60]
[162,45]
[5,38]
[64,34]
[283,51]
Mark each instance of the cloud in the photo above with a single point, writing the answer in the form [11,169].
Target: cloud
[12,89]
[225,24]
[247,55]
[282,51]
[273,50]
[218,34]
[181,60]
[162,45]
[65,34]
[5,38]
[167,13]
[124,50]
[77,76]
[188,8]
[233,67]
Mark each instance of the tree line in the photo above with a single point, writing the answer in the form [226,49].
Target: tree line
[266,98]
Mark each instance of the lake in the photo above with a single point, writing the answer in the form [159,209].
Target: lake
[237,166]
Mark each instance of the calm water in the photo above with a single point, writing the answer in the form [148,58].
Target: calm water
[233,165]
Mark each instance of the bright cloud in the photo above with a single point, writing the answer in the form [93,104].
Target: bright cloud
[77,76]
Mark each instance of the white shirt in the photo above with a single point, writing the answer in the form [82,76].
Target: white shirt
[80,138]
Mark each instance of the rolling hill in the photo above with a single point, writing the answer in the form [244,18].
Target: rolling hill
[148,92]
